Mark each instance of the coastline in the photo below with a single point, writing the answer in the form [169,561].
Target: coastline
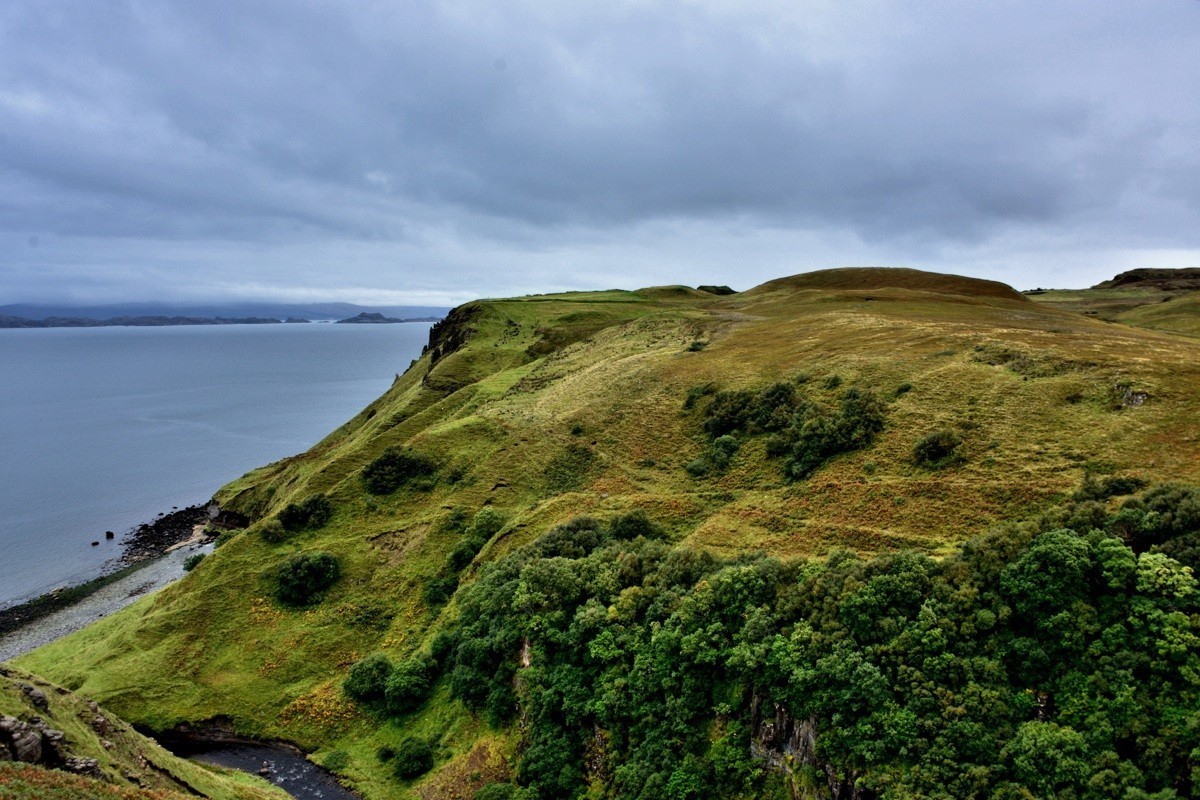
[152,557]
[149,576]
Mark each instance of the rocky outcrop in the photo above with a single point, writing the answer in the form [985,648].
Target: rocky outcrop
[1186,279]
[450,334]
[785,745]
[35,742]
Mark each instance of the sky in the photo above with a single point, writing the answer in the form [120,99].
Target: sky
[422,152]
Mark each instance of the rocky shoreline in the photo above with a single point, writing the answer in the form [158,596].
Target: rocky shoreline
[152,539]
[140,547]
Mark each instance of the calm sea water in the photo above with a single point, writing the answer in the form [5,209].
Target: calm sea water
[103,428]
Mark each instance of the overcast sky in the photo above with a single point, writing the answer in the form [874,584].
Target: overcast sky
[409,152]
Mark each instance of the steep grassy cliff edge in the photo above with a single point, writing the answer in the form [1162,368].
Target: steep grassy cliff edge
[546,408]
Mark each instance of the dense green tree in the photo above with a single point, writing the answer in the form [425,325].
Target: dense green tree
[1039,661]
[368,678]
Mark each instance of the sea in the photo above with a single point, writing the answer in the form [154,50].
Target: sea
[102,429]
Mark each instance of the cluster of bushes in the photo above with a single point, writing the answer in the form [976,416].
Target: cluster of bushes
[396,467]
[473,536]
[395,689]
[1059,658]
[411,759]
[311,513]
[800,430]
[302,580]
[941,448]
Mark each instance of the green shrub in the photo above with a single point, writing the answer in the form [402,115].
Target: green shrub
[441,645]
[903,389]
[408,685]
[486,523]
[394,468]
[464,552]
[940,448]
[303,580]
[414,757]
[577,429]
[832,382]
[773,409]
[192,561]
[715,458]
[273,532]
[438,590]
[627,527]
[312,513]
[722,451]
[697,346]
[385,753]
[336,760]
[225,537]
[497,791]
[1110,486]
[456,521]
[727,412]
[367,681]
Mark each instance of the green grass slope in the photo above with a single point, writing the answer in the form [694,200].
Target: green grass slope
[130,765]
[1165,300]
[548,407]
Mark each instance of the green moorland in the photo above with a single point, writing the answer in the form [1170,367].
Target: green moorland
[770,577]
[129,766]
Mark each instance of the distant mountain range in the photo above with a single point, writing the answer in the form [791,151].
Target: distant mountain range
[27,315]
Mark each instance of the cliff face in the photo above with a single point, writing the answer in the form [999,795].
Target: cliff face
[450,334]
[787,745]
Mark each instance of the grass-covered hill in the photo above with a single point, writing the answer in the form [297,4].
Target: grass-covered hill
[870,411]
[1159,299]
[55,744]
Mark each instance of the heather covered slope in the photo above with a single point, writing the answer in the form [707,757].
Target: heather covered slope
[549,407]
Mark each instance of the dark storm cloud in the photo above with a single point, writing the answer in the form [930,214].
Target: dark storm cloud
[234,147]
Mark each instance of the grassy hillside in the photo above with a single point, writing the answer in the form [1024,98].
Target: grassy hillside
[127,765]
[1166,300]
[549,407]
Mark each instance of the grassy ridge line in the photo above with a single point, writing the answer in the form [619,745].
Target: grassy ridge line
[617,372]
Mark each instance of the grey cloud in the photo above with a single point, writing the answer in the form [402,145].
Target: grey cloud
[923,130]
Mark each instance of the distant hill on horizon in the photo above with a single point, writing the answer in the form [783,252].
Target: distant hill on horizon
[330,311]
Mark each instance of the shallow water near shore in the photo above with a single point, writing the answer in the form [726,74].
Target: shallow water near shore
[103,428]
